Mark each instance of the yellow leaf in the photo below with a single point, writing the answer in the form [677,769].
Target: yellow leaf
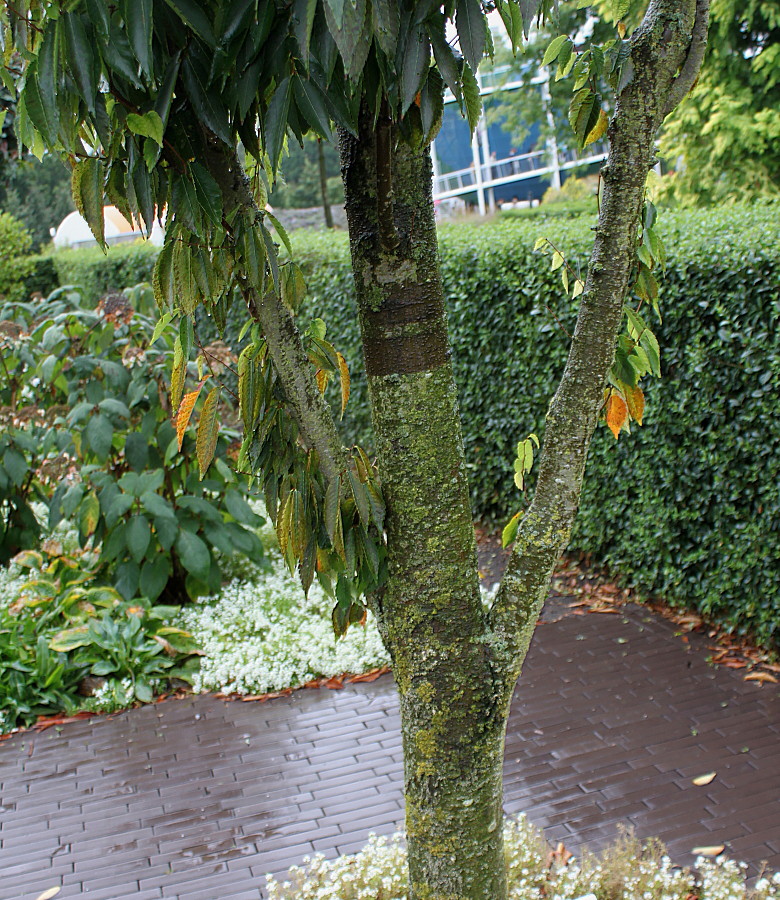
[709,851]
[208,429]
[322,379]
[599,129]
[47,895]
[701,780]
[177,384]
[344,373]
[635,400]
[616,414]
[621,29]
[184,412]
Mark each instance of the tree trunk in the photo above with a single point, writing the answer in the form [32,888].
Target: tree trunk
[453,705]
[324,185]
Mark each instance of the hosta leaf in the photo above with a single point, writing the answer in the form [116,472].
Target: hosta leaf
[208,430]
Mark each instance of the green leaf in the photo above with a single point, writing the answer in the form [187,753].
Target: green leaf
[155,573]
[584,112]
[416,61]
[149,125]
[89,514]
[87,187]
[39,94]
[443,55]
[303,20]
[471,96]
[193,15]
[156,505]
[554,48]
[99,435]
[164,286]
[331,507]
[275,121]
[206,101]
[510,530]
[387,20]
[311,105]
[138,24]
[470,23]
[207,192]
[337,9]
[138,535]
[136,451]
[208,429]
[82,58]
[194,554]
[241,511]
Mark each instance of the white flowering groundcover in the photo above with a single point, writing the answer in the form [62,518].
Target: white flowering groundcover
[626,871]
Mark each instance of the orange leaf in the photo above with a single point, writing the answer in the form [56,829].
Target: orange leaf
[184,412]
[702,780]
[761,677]
[322,379]
[208,429]
[635,400]
[616,414]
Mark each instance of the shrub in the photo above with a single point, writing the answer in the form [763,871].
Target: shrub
[86,401]
[687,506]
[96,273]
[15,263]
[626,871]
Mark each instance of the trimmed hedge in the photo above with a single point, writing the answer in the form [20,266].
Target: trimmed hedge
[688,506]
[96,272]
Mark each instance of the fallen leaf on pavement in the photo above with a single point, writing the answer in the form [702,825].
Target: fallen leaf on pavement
[709,851]
[701,780]
[762,677]
[47,895]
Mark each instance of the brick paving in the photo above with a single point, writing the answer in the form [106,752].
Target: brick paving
[198,798]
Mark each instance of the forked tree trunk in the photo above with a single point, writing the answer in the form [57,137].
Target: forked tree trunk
[453,702]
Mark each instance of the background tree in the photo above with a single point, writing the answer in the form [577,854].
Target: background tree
[300,185]
[150,100]
[38,193]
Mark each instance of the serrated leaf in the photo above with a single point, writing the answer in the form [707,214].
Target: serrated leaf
[599,129]
[416,60]
[635,401]
[361,497]
[206,101]
[345,382]
[275,121]
[208,431]
[311,105]
[528,10]
[331,507]
[193,15]
[87,187]
[510,530]
[148,125]
[164,285]
[470,24]
[138,27]
[184,412]
[387,20]
[581,112]
[40,99]
[553,49]
[471,96]
[616,414]
[184,274]
[81,58]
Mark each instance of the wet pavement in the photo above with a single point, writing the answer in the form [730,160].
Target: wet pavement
[198,798]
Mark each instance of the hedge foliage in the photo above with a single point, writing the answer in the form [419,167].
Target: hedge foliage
[687,507]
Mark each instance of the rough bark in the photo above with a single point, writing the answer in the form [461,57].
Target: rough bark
[666,52]
[306,403]
[452,706]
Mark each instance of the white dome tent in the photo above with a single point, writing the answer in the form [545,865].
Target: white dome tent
[74,232]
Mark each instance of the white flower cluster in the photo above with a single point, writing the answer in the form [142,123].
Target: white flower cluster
[262,634]
[625,872]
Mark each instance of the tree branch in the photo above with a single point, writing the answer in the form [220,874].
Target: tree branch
[661,47]
[689,71]
[296,376]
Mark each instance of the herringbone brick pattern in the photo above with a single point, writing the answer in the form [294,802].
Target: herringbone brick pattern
[197,799]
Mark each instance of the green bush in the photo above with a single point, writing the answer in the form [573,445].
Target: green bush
[15,262]
[84,395]
[687,506]
[96,273]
